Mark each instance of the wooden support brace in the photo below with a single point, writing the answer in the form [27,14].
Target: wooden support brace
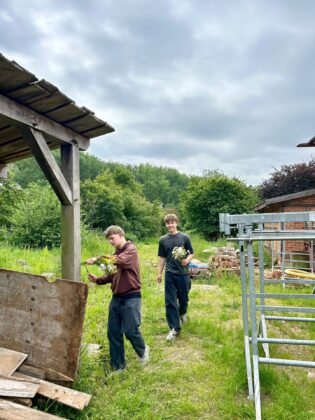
[37,143]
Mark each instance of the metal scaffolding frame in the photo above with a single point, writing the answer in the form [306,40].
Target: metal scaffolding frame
[250,228]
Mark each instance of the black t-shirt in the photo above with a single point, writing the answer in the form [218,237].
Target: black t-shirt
[167,244]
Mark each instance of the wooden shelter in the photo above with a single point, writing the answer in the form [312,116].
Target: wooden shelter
[36,117]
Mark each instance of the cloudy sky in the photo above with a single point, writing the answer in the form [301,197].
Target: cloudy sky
[191,84]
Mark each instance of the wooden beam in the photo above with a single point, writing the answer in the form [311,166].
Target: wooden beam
[20,115]
[12,411]
[3,171]
[70,219]
[37,143]
[64,395]
[9,387]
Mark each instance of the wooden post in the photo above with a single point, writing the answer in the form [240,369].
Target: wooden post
[3,171]
[70,220]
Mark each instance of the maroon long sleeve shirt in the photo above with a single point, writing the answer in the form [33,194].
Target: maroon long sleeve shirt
[127,279]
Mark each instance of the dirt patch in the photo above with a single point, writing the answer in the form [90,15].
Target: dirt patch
[212,287]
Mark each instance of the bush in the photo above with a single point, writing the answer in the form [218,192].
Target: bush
[36,219]
[211,194]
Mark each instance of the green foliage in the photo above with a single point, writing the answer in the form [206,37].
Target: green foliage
[36,218]
[161,184]
[105,201]
[211,194]
[9,197]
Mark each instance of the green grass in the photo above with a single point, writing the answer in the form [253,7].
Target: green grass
[199,376]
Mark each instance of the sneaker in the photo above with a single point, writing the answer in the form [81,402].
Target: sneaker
[146,356]
[183,318]
[172,335]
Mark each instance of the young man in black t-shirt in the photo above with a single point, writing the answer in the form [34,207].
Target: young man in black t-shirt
[177,280]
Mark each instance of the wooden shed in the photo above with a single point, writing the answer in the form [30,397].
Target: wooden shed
[36,117]
[45,320]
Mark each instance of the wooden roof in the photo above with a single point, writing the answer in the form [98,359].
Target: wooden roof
[284,198]
[310,143]
[23,98]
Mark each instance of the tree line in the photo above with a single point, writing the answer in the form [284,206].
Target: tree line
[133,196]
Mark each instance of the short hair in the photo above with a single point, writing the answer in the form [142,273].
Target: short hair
[170,218]
[114,229]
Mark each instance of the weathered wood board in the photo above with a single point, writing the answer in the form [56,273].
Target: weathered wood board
[10,360]
[12,411]
[12,388]
[67,396]
[42,319]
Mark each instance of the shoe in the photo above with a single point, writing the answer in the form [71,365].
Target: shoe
[183,318]
[117,372]
[172,335]
[146,356]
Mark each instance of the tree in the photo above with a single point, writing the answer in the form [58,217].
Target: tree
[211,194]
[9,197]
[161,184]
[106,202]
[36,218]
[289,179]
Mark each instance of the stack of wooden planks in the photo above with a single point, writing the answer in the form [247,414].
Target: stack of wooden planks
[18,389]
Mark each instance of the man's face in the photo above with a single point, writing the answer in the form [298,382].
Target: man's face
[115,239]
[171,226]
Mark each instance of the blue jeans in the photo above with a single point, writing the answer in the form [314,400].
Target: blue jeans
[124,317]
[177,287]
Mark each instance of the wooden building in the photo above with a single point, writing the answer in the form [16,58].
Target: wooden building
[296,202]
[36,117]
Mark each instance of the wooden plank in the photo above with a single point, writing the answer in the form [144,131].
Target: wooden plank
[21,115]
[37,144]
[98,131]
[28,94]
[10,360]
[67,396]
[42,319]
[66,113]
[11,388]
[23,401]
[13,75]
[12,411]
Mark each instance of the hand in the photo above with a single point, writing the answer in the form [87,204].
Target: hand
[185,262]
[159,278]
[92,278]
[91,261]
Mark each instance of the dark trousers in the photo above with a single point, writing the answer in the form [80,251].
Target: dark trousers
[177,287]
[124,317]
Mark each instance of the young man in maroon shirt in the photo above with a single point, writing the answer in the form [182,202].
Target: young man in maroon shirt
[124,317]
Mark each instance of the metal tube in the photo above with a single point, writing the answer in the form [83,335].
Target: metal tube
[285,309]
[286,362]
[284,296]
[286,341]
[288,318]
[290,281]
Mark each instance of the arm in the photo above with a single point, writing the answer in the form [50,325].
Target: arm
[187,260]
[127,258]
[191,254]
[160,269]
[100,280]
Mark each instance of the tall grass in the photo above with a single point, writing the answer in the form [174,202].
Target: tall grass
[199,376]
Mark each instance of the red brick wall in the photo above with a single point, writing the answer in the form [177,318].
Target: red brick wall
[297,205]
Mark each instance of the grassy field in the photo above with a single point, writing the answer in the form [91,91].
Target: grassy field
[199,376]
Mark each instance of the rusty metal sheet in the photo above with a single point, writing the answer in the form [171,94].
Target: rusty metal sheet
[42,319]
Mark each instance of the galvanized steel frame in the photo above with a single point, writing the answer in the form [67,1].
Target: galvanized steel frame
[246,236]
